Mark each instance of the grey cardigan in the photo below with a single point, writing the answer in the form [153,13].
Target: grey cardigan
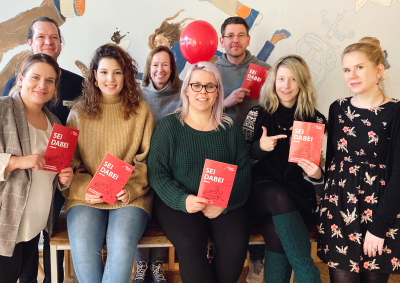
[14,188]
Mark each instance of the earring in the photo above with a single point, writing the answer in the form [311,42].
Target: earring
[96,84]
[377,83]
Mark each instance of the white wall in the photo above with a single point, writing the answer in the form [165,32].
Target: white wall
[303,18]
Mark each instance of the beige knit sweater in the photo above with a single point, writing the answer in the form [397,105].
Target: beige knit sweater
[128,140]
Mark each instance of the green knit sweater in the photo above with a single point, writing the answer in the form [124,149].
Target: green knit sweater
[177,156]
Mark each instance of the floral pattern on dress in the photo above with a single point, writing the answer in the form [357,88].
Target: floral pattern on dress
[355,181]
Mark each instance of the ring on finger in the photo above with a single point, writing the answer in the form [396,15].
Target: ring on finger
[375,249]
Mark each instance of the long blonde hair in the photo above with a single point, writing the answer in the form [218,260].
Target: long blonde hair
[307,97]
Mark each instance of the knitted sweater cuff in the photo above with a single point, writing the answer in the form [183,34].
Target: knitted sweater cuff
[182,203]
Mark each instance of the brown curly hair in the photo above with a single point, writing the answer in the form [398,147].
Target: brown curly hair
[89,101]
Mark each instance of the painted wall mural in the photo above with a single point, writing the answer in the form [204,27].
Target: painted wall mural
[315,30]
[14,31]
[383,3]
[318,50]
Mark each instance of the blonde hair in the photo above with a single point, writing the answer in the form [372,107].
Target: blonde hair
[307,97]
[218,115]
[371,47]
[171,31]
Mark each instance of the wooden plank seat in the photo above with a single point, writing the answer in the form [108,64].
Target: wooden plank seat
[153,237]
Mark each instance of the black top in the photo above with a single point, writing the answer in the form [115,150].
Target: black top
[274,166]
[371,136]
[70,87]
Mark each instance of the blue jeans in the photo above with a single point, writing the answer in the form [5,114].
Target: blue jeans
[122,229]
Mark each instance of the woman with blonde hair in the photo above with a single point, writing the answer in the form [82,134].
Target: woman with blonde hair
[112,118]
[282,201]
[180,145]
[360,209]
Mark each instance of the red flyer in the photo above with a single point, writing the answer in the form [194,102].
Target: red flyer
[61,147]
[217,182]
[255,78]
[110,178]
[306,142]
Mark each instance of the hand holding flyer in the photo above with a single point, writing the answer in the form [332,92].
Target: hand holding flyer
[61,147]
[255,78]
[110,178]
[216,182]
[306,142]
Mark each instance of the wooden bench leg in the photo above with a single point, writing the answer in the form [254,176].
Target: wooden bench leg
[292,277]
[53,264]
[41,271]
[171,258]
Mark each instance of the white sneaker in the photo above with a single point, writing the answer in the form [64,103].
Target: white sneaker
[256,272]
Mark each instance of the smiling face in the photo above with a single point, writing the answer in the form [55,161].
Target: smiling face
[45,39]
[160,69]
[201,101]
[286,87]
[109,77]
[236,46]
[360,74]
[38,85]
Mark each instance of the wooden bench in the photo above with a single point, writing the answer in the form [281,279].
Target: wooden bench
[153,237]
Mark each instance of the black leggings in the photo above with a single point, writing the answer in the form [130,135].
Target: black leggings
[189,233]
[339,276]
[269,199]
[12,267]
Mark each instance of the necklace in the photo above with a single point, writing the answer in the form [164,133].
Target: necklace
[201,128]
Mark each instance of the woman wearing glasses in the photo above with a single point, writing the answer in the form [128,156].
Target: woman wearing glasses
[179,147]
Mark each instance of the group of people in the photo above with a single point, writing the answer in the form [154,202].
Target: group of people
[166,129]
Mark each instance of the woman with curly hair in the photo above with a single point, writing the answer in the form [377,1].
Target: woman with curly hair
[112,119]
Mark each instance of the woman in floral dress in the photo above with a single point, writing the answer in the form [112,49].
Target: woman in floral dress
[359,224]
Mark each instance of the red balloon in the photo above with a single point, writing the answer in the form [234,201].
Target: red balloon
[199,41]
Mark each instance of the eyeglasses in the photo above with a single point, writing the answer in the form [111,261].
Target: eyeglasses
[198,87]
[232,36]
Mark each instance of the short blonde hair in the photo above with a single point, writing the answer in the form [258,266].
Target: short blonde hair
[307,97]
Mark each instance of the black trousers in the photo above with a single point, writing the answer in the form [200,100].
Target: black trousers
[12,267]
[266,200]
[189,235]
